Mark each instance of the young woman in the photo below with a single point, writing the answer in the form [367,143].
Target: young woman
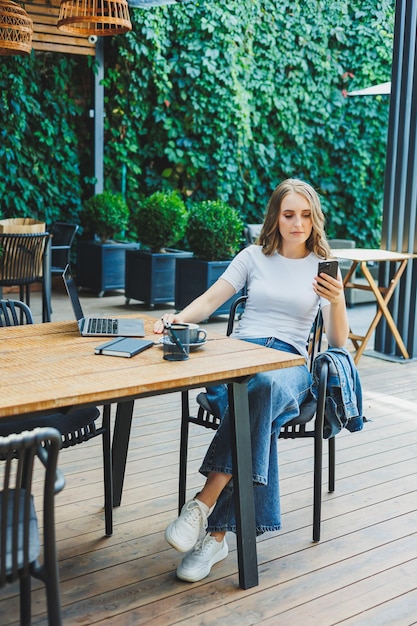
[284,294]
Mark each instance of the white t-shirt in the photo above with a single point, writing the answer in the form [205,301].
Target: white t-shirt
[281,302]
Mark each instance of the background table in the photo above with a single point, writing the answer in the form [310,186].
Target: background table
[360,257]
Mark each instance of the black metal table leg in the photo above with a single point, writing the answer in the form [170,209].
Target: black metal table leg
[120,445]
[243,485]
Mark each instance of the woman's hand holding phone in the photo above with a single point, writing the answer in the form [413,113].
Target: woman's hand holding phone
[328,283]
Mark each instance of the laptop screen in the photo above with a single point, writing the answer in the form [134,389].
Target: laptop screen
[72,293]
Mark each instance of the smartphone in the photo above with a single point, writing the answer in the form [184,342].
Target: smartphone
[329,267]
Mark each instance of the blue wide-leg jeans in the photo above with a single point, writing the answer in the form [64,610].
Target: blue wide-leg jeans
[274,400]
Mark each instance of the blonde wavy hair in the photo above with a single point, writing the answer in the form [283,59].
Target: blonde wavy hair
[270,237]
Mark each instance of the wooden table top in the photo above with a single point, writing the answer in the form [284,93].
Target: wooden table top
[365,254]
[50,366]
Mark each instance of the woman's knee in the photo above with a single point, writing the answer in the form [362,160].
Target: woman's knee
[262,382]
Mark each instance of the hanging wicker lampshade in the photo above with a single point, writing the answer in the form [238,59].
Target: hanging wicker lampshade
[16,29]
[94,17]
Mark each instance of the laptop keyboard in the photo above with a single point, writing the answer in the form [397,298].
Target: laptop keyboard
[106,326]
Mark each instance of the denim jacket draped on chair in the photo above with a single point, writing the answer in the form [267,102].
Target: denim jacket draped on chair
[344,392]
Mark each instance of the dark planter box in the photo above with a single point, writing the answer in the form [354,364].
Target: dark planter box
[194,277]
[101,266]
[150,276]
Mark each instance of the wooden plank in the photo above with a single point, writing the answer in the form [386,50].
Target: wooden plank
[47,47]
[46,35]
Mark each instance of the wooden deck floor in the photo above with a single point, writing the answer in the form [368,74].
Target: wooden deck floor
[363,571]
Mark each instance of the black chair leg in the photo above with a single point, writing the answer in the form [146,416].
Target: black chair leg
[185,412]
[28,295]
[53,592]
[332,464]
[23,298]
[25,601]
[318,469]
[108,472]
[318,453]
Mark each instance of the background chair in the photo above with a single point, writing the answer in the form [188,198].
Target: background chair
[19,535]
[251,233]
[22,263]
[62,236]
[309,424]
[75,427]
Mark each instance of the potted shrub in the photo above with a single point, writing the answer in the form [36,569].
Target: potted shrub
[160,222]
[101,259]
[106,215]
[214,234]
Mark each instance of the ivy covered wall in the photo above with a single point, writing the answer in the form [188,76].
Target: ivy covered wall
[44,137]
[218,99]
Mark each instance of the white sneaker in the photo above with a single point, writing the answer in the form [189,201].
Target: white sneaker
[183,533]
[197,564]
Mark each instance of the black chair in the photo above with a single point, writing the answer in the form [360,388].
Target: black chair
[62,236]
[75,426]
[309,423]
[22,263]
[20,544]
[251,233]
[11,312]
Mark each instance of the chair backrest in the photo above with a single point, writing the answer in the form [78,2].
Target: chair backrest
[341,243]
[62,237]
[252,232]
[316,337]
[238,302]
[21,258]
[19,537]
[14,312]
[336,244]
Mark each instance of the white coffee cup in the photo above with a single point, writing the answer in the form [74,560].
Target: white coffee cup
[197,334]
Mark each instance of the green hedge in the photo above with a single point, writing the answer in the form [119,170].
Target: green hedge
[220,100]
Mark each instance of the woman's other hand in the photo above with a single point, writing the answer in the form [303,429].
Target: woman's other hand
[168,318]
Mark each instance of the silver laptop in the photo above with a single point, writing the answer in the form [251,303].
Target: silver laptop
[100,326]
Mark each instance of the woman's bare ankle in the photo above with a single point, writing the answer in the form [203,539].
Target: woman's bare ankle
[208,502]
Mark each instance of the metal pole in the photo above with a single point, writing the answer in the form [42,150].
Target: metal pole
[98,148]
[400,190]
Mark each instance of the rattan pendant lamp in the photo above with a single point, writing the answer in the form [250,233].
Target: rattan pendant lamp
[151,4]
[16,29]
[94,17]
